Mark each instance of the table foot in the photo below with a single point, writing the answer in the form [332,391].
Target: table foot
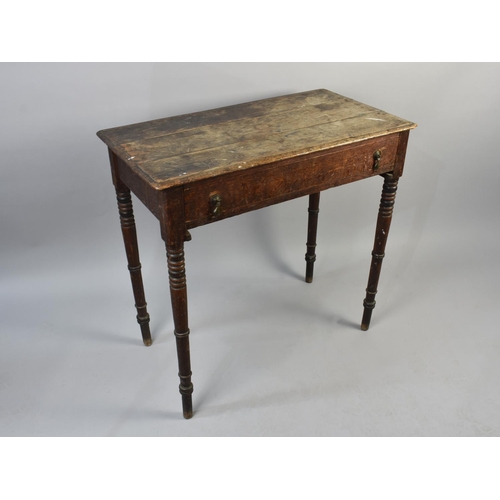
[187,406]
[383,224]
[312,229]
[367,315]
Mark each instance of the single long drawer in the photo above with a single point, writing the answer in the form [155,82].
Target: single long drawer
[238,192]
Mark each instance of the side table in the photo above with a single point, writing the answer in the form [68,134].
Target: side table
[200,168]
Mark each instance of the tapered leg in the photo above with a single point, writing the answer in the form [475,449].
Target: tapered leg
[312,228]
[174,233]
[134,266]
[381,233]
[178,295]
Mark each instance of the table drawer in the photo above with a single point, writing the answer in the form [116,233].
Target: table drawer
[238,192]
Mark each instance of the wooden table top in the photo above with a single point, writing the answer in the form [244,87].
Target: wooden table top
[186,148]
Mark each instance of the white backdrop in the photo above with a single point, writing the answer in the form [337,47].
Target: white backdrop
[271,355]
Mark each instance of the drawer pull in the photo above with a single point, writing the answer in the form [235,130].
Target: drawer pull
[215,205]
[376,157]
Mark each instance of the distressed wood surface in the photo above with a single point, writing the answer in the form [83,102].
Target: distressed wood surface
[187,148]
[198,168]
[243,191]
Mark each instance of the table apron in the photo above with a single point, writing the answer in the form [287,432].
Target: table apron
[258,187]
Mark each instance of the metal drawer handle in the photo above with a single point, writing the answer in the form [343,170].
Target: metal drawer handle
[215,205]
[376,157]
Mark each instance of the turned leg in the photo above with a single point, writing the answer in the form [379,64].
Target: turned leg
[312,227]
[178,295]
[381,233]
[134,265]
[174,233]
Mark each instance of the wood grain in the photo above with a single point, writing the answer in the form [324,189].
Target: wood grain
[198,168]
[182,149]
[242,191]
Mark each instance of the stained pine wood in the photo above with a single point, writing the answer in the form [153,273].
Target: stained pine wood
[381,233]
[174,234]
[284,180]
[312,228]
[199,168]
[129,233]
[181,149]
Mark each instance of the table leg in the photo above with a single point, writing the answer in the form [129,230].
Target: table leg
[132,250]
[174,233]
[178,295]
[381,233]
[312,227]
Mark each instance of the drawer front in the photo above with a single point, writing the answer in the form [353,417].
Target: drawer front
[238,192]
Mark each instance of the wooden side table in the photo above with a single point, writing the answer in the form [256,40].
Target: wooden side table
[202,167]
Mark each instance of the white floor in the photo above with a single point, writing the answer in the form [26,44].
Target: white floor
[271,355]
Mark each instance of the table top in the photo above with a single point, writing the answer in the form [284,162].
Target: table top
[186,148]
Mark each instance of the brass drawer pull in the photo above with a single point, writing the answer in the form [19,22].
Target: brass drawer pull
[215,205]
[376,157]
